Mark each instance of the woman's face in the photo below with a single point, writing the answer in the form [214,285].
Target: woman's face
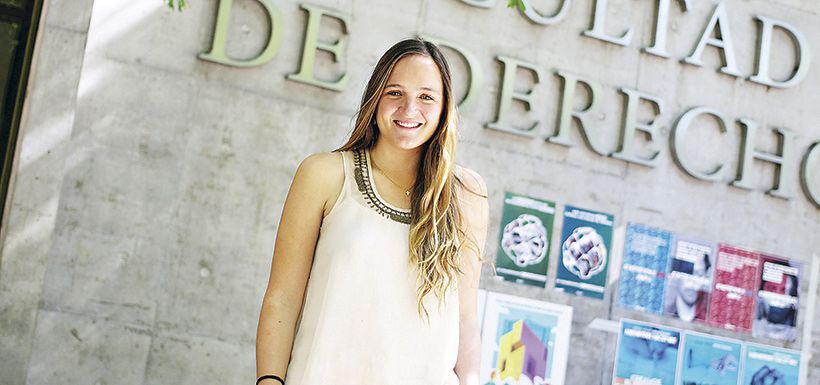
[411,103]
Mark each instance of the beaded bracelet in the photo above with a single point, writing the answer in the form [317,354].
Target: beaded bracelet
[271,376]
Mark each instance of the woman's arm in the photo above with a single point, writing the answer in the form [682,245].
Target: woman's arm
[474,211]
[317,182]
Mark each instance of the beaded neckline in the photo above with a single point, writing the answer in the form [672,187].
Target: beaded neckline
[364,181]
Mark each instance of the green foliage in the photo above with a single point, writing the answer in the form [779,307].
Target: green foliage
[180,4]
[516,3]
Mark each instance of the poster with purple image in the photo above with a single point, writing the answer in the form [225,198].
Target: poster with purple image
[524,341]
[689,279]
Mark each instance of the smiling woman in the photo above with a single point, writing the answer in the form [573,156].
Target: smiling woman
[377,258]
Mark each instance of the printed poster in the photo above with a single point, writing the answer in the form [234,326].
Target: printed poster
[732,304]
[689,279]
[584,256]
[707,360]
[647,354]
[765,365]
[524,341]
[524,244]
[777,299]
[646,255]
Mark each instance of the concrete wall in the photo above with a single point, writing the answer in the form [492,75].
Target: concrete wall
[149,183]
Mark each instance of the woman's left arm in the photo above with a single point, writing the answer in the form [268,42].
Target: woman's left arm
[474,212]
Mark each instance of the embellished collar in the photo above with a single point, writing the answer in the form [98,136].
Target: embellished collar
[361,171]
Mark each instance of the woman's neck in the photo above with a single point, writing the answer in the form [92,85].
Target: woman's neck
[400,164]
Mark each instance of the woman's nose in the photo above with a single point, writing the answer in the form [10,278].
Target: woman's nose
[409,106]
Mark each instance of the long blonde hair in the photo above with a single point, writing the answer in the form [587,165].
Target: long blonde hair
[436,236]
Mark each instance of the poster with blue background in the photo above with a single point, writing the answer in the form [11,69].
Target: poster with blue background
[586,238]
[646,255]
[647,354]
[707,360]
[765,365]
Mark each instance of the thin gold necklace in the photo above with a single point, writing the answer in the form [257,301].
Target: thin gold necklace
[379,169]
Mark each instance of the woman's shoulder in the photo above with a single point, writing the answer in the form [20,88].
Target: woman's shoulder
[473,184]
[323,161]
[324,172]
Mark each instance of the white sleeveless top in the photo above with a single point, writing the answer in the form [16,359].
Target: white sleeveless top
[360,322]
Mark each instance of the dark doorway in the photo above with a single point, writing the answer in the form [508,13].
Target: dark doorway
[18,27]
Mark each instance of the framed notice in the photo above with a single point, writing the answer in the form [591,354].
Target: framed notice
[777,299]
[766,365]
[733,294]
[524,341]
[584,258]
[689,279]
[524,243]
[646,255]
[708,360]
[646,354]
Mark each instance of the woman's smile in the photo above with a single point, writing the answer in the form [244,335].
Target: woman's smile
[409,124]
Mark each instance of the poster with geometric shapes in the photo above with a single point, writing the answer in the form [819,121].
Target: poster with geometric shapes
[646,354]
[524,243]
[735,286]
[777,299]
[689,279]
[584,255]
[766,365]
[707,360]
[524,341]
[643,271]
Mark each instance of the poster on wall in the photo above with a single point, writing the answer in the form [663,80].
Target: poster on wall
[707,360]
[777,299]
[646,355]
[735,285]
[689,279]
[524,341]
[646,252]
[584,256]
[766,365]
[524,244]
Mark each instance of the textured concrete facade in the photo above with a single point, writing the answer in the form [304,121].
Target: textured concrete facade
[149,182]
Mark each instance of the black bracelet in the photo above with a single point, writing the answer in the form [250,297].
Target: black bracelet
[271,376]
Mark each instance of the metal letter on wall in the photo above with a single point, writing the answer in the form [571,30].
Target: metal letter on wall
[720,19]
[508,93]
[599,23]
[764,53]
[480,3]
[538,18]
[784,159]
[473,71]
[582,116]
[630,125]
[312,44]
[658,47]
[679,133]
[810,174]
[217,52]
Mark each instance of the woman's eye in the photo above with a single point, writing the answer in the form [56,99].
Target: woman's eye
[427,97]
[394,93]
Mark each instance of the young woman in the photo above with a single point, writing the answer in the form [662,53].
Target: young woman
[377,257]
